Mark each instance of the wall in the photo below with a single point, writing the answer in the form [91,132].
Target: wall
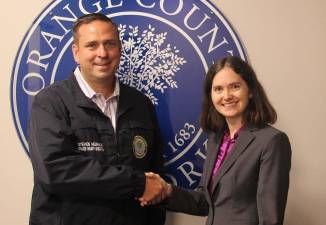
[285,41]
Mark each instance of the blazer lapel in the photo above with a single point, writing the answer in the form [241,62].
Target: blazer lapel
[244,139]
[212,151]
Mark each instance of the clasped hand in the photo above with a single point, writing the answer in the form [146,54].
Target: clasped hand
[156,190]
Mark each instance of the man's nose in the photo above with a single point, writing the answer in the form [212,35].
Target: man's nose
[102,51]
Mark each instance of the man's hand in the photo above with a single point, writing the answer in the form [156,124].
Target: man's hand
[156,190]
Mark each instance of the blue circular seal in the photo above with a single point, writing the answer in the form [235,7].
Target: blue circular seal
[167,48]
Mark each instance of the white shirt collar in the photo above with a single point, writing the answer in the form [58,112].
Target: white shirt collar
[88,90]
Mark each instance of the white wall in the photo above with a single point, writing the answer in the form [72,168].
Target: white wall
[285,41]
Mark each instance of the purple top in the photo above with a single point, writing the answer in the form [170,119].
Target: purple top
[225,149]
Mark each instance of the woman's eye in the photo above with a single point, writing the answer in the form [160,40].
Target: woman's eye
[235,86]
[218,89]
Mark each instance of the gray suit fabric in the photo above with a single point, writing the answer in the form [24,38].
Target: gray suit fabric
[251,186]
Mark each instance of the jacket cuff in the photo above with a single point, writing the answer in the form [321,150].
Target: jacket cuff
[139,182]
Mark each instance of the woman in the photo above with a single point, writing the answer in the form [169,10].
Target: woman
[246,174]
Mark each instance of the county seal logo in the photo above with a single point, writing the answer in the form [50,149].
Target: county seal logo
[168,46]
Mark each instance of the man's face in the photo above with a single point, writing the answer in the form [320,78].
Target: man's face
[97,51]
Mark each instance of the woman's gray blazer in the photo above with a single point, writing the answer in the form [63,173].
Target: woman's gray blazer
[251,186]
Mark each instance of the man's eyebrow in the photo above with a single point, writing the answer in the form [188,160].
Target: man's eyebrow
[90,42]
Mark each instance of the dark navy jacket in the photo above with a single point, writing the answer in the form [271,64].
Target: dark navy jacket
[84,172]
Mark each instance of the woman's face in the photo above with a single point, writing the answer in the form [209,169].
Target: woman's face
[230,94]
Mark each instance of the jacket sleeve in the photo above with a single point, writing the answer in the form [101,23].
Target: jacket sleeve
[157,163]
[61,170]
[273,183]
[191,202]
[157,213]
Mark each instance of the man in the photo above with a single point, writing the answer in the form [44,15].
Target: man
[92,139]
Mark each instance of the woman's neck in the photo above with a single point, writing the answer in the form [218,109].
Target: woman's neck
[234,126]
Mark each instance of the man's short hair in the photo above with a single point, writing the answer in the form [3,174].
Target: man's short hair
[88,18]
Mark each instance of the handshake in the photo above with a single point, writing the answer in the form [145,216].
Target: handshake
[156,190]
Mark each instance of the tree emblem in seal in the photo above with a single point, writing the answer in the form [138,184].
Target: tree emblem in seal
[146,63]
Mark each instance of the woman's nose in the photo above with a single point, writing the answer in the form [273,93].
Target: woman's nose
[227,94]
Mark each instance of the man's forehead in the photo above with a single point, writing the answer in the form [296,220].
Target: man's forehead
[95,24]
[93,27]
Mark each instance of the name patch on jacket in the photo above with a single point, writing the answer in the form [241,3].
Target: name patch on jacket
[90,146]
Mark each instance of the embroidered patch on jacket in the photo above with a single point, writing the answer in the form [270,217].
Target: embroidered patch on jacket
[90,146]
[140,147]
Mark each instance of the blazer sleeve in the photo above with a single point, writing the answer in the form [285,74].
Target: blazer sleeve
[273,183]
[191,202]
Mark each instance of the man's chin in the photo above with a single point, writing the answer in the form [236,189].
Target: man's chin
[104,75]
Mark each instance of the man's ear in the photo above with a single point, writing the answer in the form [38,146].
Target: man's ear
[75,51]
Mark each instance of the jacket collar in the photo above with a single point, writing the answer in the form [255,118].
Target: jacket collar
[124,103]
[246,136]
[81,99]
